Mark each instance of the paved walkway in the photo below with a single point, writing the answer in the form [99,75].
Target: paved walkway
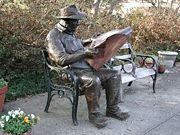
[151,114]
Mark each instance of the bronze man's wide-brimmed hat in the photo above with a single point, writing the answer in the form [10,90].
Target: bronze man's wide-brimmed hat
[71,12]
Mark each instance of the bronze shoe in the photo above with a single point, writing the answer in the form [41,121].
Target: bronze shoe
[118,115]
[98,120]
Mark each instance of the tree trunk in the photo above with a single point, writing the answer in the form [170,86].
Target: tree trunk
[153,3]
[177,8]
[95,7]
[172,1]
[113,4]
[158,4]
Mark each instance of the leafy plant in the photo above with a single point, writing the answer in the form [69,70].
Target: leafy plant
[25,23]
[154,29]
[2,83]
[161,65]
[17,122]
[161,61]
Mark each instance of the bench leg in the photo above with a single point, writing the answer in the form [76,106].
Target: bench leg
[129,84]
[48,101]
[154,77]
[74,108]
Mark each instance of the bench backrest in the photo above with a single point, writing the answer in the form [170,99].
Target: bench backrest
[127,50]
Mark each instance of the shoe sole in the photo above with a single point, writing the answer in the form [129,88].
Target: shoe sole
[99,125]
[115,117]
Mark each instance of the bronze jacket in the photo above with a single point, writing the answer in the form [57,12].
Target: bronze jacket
[65,49]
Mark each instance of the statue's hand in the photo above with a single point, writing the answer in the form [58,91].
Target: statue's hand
[90,53]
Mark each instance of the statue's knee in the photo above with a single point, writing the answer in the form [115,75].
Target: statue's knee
[95,82]
[92,82]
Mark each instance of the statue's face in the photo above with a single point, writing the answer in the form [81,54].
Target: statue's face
[72,24]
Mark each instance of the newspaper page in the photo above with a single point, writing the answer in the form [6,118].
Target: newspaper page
[107,44]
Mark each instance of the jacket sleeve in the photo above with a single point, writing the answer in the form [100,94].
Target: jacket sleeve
[58,53]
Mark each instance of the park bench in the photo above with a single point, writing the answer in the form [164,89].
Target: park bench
[134,66]
[61,81]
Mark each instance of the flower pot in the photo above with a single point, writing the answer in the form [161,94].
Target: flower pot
[3,91]
[161,69]
[169,58]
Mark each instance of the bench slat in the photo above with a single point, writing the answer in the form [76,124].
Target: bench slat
[125,46]
[139,72]
[127,56]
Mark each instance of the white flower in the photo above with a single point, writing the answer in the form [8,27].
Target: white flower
[2,117]
[7,118]
[32,116]
[13,115]
[10,113]
[21,112]
[16,112]
[2,125]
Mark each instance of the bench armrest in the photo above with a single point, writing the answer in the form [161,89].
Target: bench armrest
[147,61]
[60,77]
[127,65]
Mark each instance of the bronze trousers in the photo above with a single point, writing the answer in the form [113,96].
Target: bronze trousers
[92,82]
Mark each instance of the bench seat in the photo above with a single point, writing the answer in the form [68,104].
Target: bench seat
[139,73]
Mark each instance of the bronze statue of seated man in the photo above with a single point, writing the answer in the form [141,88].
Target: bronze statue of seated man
[65,49]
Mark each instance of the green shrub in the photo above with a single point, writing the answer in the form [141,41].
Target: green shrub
[2,82]
[25,24]
[155,29]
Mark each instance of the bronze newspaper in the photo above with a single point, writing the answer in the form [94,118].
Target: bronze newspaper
[107,44]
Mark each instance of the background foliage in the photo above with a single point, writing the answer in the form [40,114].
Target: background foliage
[25,24]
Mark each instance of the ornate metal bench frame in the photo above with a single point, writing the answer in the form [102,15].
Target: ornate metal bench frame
[60,81]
